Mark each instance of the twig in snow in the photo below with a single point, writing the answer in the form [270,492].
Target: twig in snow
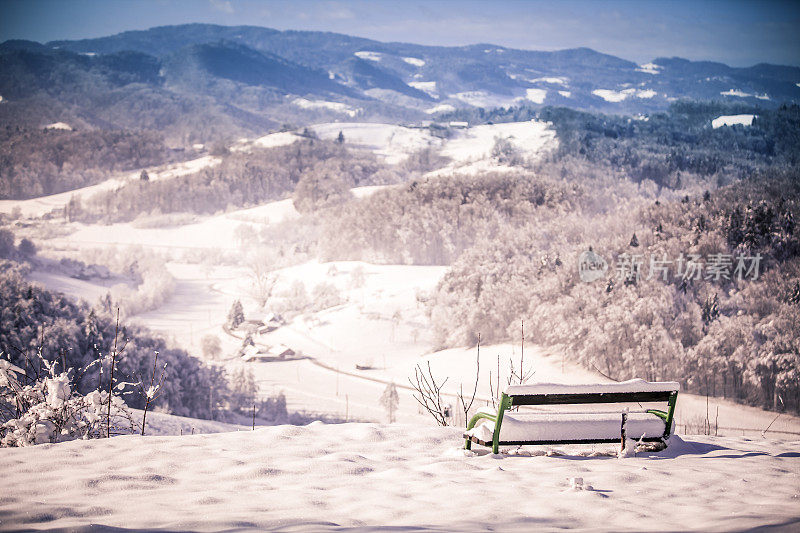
[466,407]
[429,393]
[763,433]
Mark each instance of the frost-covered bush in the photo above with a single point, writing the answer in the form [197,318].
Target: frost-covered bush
[292,300]
[47,409]
[152,284]
[325,295]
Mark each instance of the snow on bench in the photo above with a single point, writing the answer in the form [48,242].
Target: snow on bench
[521,428]
[632,385]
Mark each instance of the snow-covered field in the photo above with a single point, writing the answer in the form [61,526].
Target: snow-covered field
[649,68]
[470,149]
[368,477]
[441,108]
[618,96]
[742,94]
[465,147]
[393,143]
[323,104]
[483,99]
[536,96]
[730,120]
[425,86]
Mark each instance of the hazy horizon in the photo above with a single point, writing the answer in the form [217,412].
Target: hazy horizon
[737,33]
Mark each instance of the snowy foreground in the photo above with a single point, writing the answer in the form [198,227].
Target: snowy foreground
[404,478]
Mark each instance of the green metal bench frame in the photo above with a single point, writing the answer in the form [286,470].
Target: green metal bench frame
[507,402]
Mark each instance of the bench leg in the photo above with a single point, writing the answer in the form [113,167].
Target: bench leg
[505,404]
[622,429]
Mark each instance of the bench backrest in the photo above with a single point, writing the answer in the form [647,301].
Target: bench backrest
[635,390]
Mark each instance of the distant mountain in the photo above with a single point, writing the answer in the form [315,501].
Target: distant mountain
[246,66]
[240,79]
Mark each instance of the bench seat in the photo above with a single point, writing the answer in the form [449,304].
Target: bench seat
[572,427]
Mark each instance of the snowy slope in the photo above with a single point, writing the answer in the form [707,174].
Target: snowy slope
[411,478]
[470,149]
[164,424]
[393,143]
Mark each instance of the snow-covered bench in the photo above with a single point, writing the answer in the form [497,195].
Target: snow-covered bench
[512,428]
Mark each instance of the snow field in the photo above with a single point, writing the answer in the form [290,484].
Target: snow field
[90,291]
[58,126]
[483,99]
[216,232]
[730,120]
[536,96]
[551,80]
[414,61]
[441,108]
[649,68]
[618,96]
[338,107]
[474,144]
[742,94]
[393,143]
[370,56]
[272,140]
[366,476]
[425,86]
[163,424]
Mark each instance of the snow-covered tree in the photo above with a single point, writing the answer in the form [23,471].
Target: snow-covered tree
[390,401]
[244,389]
[212,347]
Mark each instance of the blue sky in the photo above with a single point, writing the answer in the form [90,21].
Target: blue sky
[739,33]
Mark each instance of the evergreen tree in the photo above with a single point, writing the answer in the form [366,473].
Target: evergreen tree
[236,315]
[710,310]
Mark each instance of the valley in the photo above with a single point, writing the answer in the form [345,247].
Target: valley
[260,278]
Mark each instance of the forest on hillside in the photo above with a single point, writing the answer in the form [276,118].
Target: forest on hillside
[39,162]
[316,172]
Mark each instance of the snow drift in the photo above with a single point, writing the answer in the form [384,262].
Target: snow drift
[366,476]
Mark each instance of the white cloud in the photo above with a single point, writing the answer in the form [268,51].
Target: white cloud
[337,11]
[222,5]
